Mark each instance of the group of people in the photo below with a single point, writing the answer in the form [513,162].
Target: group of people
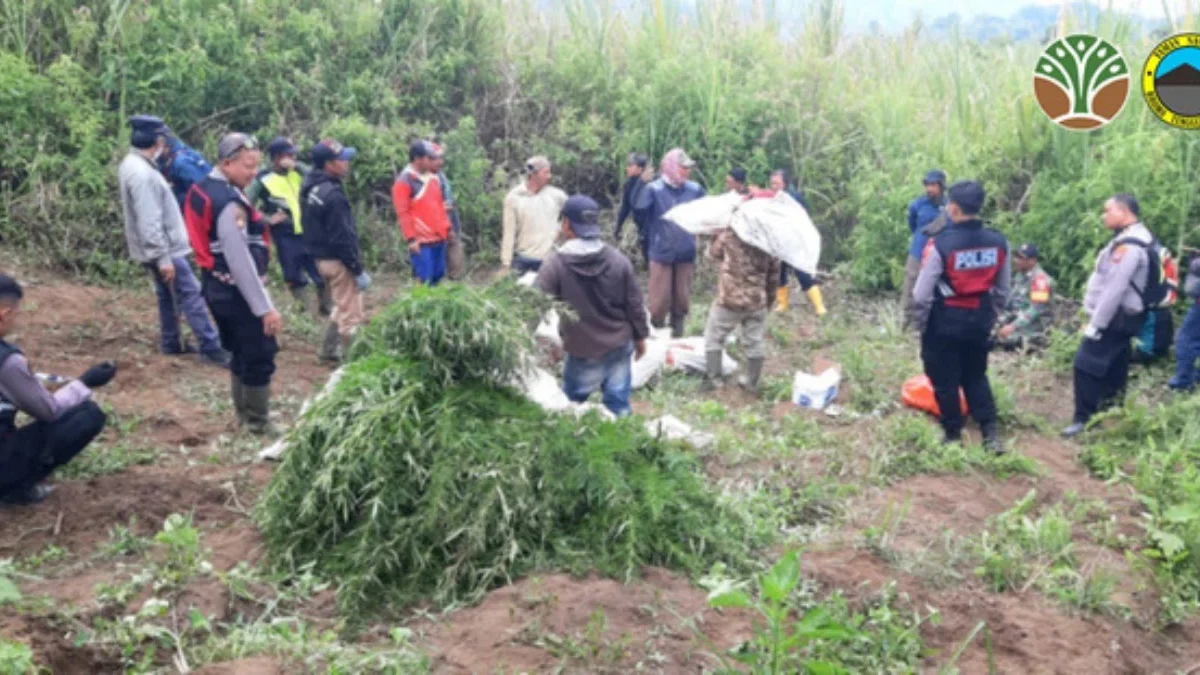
[963,297]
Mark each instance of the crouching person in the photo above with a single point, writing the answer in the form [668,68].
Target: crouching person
[599,283]
[64,423]
[748,278]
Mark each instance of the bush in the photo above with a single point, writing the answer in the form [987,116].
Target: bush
[422,478]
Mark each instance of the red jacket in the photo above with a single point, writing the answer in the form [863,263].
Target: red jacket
[420,207]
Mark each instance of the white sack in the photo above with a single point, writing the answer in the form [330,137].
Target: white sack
[816,391]
[648,366]
[781,227]
[688,354]
[705,215]
[547,330]
[527,279]
[674,429]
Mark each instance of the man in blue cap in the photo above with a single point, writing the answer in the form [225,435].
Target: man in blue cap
[921,212]
[276,191]
[158,241]
[331,237]
[963,284]
[599,283]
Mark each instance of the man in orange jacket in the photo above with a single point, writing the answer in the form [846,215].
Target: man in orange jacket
[421,211]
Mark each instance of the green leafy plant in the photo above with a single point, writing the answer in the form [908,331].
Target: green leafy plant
[16,658]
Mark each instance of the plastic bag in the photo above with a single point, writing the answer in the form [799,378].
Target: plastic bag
[688,354]
[705,215]
[674,429]
[547,330]
[780,227]
[816,391]
[917,392]
[651,364]
[527,279]
[276,449]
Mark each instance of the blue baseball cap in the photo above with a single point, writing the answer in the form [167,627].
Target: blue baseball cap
[329,149]
[281,145]
[935,176]
[584,215]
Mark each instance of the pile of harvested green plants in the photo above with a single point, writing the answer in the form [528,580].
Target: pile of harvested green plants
[424,476]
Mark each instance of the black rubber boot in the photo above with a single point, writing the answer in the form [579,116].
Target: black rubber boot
[713,362]
[258,412]
[991,439]
[749,382]
[330,343]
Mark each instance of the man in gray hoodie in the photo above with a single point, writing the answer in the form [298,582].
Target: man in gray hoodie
[158,241]
[599,283]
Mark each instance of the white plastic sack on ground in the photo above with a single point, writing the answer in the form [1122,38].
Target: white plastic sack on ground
[527,279]
[276,449]
[648,366]
[705,215]
[781,227]
[547,330]
[816,391]
[688,354]
[674,429]
[540,386]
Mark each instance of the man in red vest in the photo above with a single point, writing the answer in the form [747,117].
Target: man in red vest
[421,211]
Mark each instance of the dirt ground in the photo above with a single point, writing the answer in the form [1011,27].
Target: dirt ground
[551,623]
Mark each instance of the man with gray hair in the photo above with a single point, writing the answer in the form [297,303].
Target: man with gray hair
[531,211]
[227,234]
[158,241]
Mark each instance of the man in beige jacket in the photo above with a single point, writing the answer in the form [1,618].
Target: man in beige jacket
[531,219]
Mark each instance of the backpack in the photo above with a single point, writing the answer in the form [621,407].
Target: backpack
[1162,283]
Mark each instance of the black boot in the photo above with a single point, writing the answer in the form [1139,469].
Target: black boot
[713,362]
[258,412]
[991,439]
[325,302]
[753,372]
[677,325]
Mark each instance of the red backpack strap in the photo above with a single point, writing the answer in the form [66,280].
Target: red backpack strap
[197,215]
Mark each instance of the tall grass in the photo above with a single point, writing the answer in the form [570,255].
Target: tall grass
[857,117]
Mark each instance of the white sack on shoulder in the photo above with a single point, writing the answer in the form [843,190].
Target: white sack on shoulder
[705,215]
[781,227]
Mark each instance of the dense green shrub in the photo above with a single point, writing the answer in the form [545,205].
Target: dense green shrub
[420,478]
[857,118]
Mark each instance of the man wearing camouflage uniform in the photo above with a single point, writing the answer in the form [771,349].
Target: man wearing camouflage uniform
[1027,315]
[747,282]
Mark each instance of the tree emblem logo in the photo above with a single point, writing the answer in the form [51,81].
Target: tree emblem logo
[1171,81]
[1081,82]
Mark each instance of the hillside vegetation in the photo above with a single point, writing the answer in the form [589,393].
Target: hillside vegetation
[858,118]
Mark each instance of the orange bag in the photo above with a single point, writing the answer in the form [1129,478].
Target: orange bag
[917,393]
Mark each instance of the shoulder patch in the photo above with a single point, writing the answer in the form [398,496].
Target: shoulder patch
[241,218]
[1039,290]
[1118,253]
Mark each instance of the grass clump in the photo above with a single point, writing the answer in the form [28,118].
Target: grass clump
[912,446]
[422,477]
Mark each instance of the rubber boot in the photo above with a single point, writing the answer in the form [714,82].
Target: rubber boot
[329,345]
[991,439]
[749,381]
[258,412]
[713,362]
[238,394]
[781,299]
[303,297]
[325,302]
[677,326]
[817,300]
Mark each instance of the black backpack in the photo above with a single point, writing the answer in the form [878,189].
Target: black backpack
[1162,280]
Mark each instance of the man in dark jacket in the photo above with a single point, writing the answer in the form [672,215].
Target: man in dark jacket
[64,422]
[331,238]
[637,174]
[922,211]
[600,284]
[672,249]
[963,283]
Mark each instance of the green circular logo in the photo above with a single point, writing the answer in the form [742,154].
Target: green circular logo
[1081,82]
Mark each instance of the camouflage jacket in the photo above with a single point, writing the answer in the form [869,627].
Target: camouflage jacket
[1029,303]
[747,278]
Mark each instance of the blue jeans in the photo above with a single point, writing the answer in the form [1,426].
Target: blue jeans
[612,374]
[184,296]
[1187,349]
[294,258]
[429,266]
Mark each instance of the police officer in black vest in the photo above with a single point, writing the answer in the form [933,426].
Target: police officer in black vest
[227,234]
[964,281]
[63,422]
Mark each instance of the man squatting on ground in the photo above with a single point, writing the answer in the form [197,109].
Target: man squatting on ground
[63,423]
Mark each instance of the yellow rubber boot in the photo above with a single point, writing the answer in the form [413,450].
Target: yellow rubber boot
[818,302]
[781,299]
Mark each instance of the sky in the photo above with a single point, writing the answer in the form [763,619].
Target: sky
[1188,55]
[861,13]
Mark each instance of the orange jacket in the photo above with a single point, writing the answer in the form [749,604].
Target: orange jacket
[420,207]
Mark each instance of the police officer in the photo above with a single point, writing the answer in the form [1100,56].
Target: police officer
[229,233]
[964,280]
[277,193]
[1027,314]
[1116,312]
[63,423]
